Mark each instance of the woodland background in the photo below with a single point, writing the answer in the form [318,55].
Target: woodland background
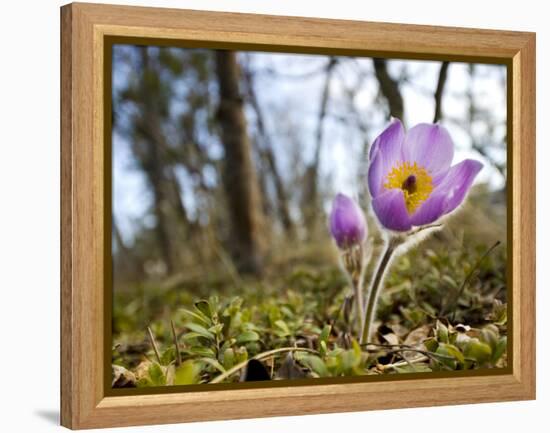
[224,168]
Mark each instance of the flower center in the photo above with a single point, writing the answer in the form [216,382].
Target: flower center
[409,184]
[414,181]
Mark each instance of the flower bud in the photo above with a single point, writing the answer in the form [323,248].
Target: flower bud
[347,222]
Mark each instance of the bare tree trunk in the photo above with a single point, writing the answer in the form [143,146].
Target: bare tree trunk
[269,157]
[389,88]
[240,180]
[438,95]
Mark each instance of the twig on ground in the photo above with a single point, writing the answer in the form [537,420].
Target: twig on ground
[259,357]
[176,345]
[153,343]
[405,362]
[466,281]
[400,348]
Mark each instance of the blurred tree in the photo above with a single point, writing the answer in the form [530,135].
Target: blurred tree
[149,144]
[267,154]
[311,200]
[240,180]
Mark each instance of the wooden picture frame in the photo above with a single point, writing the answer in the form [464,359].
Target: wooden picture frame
[85,28]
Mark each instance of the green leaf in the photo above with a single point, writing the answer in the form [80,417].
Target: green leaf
[287,312]
[431,344]
[477,350]
[187,373]
[188,336]
[204,307]
[228,358]
[168,356]
[499,350]
[156,375]
[247,337]
[283,327]
[325,334]
[200,351]
[201,330]
[241,355]
[451,356]
[198,316]
[323,348]
[449,281]
[356,348]
[350,359]
[442,332]
[169,372]
[489,335]
[213,302]
[214,363]
[216,329]
[315,364]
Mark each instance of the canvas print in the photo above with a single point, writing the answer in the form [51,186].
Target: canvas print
[299,217]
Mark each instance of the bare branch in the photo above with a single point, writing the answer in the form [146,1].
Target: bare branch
[389,88]
[438,96]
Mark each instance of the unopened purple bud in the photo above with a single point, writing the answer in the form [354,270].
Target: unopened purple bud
[347,222]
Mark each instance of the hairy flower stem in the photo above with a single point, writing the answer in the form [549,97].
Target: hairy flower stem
[354,264]
[354,304]
[360,306]
[376,285]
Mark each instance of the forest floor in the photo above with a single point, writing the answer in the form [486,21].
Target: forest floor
[443,308]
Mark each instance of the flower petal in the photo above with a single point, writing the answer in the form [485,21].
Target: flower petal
[389,138]
[449,194]
[384,153]
[376,175]
[430,211]
[391,210]
[430,146]
[459,181]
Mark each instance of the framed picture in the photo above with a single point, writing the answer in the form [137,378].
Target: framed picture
[266,215]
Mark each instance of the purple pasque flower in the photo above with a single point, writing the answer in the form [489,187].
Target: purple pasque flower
[410,177]
[347,222]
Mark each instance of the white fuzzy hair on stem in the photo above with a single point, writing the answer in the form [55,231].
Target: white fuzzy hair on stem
[394,246]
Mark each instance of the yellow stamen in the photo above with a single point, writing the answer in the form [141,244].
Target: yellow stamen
[414,181]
